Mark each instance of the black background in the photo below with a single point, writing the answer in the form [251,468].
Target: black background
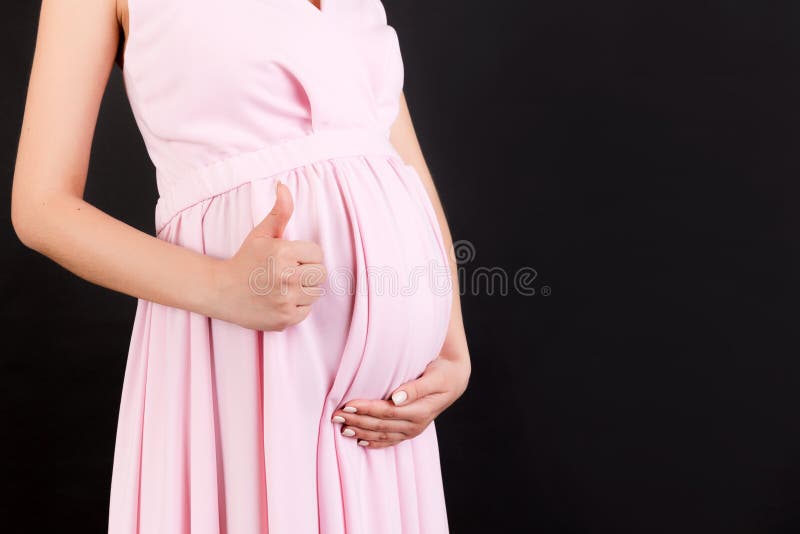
[642,157]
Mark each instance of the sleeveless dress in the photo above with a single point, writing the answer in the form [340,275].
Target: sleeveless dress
[227,430]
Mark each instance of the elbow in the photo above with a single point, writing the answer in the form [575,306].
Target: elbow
[26,219]
[20,222]
[37,214]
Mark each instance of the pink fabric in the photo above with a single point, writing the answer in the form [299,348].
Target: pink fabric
[226,430]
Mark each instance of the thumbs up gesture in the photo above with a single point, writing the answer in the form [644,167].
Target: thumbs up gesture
[270,283]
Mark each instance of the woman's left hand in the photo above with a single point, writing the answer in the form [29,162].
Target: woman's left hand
[382,423]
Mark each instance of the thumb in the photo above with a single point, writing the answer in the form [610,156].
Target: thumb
[426,384]
[275,222]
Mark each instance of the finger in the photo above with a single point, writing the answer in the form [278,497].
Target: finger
[376,444]
[366,422]
[306,251]
[303,296]
[428,383]
[372,436]
[309,275]
[303,283]
[381,409]
[275,222]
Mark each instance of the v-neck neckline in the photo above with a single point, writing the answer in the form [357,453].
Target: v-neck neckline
[319,10]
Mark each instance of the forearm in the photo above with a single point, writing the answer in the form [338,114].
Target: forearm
[106,251]
[74,55]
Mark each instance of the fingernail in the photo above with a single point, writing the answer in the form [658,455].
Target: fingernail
[349,432]
[349,409]
[399,397]
[338,419]
[363,443]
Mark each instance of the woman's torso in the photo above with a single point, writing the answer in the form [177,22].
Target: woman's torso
[210,79]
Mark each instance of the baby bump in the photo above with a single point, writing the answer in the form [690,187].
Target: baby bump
[386,300]
[385,303]
[400,273]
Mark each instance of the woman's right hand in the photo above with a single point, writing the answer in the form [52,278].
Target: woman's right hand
[270,283]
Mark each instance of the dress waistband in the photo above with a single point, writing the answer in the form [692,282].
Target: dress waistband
[199,184]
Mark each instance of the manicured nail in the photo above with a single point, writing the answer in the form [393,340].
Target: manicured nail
[363,443]
[399,397]
[338,419]
[349,432]
[349,409]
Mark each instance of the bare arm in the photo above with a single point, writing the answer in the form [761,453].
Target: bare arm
[75,49]
[404,138]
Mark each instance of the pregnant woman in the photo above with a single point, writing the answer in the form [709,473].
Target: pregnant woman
[298,326]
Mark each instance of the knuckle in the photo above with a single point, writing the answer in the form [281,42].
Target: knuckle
[285,274]
[285,314]
[308,277]
[280,303]
[319,274]
[285,255]
[283,246]
[354,420]
[414,418]
[278,248]
[309,295]
[293,277]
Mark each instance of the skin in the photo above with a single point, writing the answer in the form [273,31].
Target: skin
[78,44]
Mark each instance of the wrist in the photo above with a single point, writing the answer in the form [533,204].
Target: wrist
[461,358]
[209,292]
[463,367]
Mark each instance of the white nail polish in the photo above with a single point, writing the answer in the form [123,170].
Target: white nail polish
[349,432]
[363,443]
[338,419]
[349,409]
[399,396]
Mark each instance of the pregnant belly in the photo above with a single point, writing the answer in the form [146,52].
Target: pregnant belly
[386,301]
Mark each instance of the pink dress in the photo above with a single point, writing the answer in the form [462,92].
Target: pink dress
[227,430]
